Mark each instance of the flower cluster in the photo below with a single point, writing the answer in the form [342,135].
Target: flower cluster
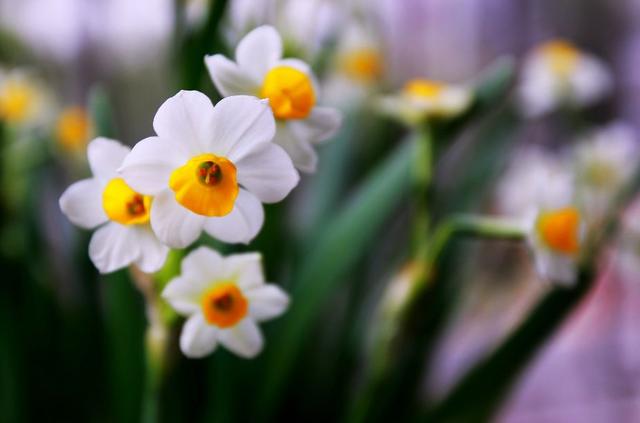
[208,169]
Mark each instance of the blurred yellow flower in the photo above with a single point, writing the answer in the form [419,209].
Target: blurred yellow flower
[23,99]
[423,99]
[364,64]
[557,73]
[74,129]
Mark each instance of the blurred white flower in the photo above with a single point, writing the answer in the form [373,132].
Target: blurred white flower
[25,102]
[604,161]
[306,25]
[288,84]
[209,168]
[105,200]
[223,298]
[556,237]
[534,179]
[558,74]
[357,69]
[422,99]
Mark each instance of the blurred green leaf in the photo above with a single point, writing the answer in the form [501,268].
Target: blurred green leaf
[343,242]
[124,322]
[101,114]
[196,44]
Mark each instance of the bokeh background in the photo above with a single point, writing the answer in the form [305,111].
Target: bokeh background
[71,341]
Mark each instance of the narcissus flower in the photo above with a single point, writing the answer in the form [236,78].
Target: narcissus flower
[556,237]
[358,67]
[74,129]
[604,160]
[288,84]
[535,179]
[106,201]
[209,168]
[24,100]
[556,74]
[423,99]
[223,298]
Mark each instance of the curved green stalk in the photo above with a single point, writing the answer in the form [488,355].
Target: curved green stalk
[479,394]
[393,358]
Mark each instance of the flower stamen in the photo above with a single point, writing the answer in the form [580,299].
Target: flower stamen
[224,305]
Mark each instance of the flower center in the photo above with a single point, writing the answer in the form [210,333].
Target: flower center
[224,305]
[561,56]
[16,101]
[559,229]
[206,185]
[290,92]
[423,89]
[73,128]
[124,205]
[363,65]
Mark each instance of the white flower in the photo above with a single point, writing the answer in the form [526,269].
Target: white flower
[223,298]
[556,73]
[604,161]
[423,99]
[305,25]
[209,168]
[556,238]
[25,102]
[534,179]
[106,201]
[288,84]
[358,67]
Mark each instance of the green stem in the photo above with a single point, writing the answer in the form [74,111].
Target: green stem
[396,357]
[422,174]
[478,395]
[156,337]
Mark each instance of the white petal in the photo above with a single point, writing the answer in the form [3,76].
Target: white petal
[202,266]
[153,253]
[242,224]
[186,120]
[245,269]
[183,294]
[105,157]
[591,81]
[268,173]
[228,78]
[173,224]
[113,247]
[556,268]
[266,302]
[148,167]
[82,203]
[258,51]
[244,339]
[241,123]
[301,151]
[321,124]
[198,338]
[538,88]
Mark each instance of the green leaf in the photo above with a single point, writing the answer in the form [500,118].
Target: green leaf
[100,110]
[334,252]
